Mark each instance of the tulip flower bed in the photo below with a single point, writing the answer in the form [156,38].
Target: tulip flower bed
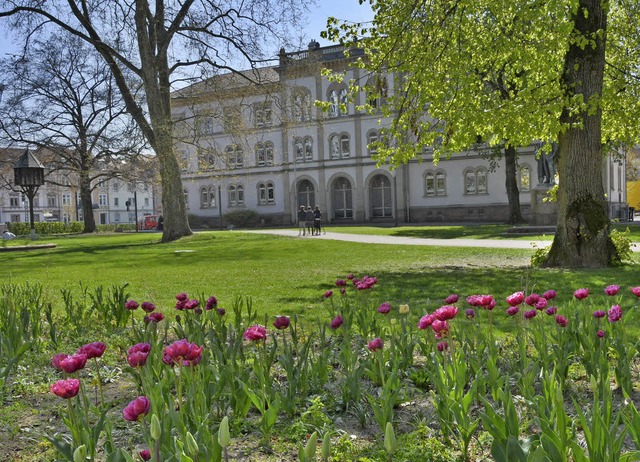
[211,381]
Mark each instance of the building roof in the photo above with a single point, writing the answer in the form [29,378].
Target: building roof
[28,160]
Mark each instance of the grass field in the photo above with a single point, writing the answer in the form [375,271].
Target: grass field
[326,380]
[285,275]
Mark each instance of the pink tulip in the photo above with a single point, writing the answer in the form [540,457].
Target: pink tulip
[66,388]
[561,321]
[515,298]
[635,291]
[148,307]
[550,294]
[532,299]
[137,359]
[182,350]
[440,327]
[341,282]
[615,313]
[337,322]
[131,305]
[384,308]
[541,304]
[442,346]
[136,409]
[55,361]
[530,314]
[281,322]
[513,310]
[145,454]
[551,310]
[255,333]
[451,299]
[375,344]
[581,294]
[92,350]
[328,294]
[426,321]
[611,290]
[182,297]
[73,363]
[212,302]
[154,317]
[445,313]
[599,314]
[600,333]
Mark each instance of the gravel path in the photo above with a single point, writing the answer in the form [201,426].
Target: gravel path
[371,239]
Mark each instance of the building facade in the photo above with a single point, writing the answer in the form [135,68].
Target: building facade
[267,148]
[59,198]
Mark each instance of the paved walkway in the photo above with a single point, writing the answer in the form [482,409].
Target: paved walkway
[371,239]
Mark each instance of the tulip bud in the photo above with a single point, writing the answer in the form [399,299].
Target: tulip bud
[192,446]
[310,448]
[80,454]
[389,439]
[223,433]
[403,309]
[326,446]
[156,429]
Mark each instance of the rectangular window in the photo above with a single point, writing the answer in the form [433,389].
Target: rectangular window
[102,200]
[430,185]
[344,144]
[14,201]
[52,201]
[146,202]
[470,183]
[66,199]
[440,184]
[263,116]
[482,182]
[116,201]
[15,218]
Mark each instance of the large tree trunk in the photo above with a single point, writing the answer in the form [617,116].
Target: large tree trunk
[582,238]
[87,204]
[511,183]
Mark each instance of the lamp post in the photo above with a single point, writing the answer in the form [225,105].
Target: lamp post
[28,173]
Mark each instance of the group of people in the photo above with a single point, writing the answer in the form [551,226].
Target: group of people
[309,221]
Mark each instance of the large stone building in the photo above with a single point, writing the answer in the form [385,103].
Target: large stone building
[58,199]
[266,147]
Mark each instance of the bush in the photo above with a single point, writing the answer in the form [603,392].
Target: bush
[44,228]
[242,218]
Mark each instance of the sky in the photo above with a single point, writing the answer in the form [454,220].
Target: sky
[349,10]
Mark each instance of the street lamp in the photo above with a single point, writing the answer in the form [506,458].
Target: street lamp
[28,173]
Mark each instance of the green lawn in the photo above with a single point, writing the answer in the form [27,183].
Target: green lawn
[285,275]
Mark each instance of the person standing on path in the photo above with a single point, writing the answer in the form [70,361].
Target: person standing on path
[317,218]
[302,218]
[309,220]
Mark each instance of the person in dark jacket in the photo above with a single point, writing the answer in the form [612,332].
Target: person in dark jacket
[302,218]
[317,219]
[309,220]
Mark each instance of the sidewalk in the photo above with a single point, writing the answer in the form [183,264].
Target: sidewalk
[371,239]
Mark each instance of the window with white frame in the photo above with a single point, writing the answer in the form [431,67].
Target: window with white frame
[476,181]
[234,156]
[338,99]
[372,142]
[264,154]
[266,194]
[52,201]
[146,202]
[206,126]
[235,194]
[102,200]
[301,106]
[14,201]
[435,183]
[207,197]
[339,145]
[308,149]
[263,115]
[206,159]
[116,201]
[66,199]
[380,197]
[377,90]
[115,185]
[524,178]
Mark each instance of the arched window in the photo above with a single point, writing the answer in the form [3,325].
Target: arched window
[308,149]
[339,103]
[339,145]
[377,90]
[306,194]
[264,154]
[235,194]
[380,197]
[235,157]
[342,199]
[524,178]
[298,147]
[435,183]
[301,106]
[207,197]
[476,181]
[266,194]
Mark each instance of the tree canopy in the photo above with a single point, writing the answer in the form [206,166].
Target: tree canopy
[513,73]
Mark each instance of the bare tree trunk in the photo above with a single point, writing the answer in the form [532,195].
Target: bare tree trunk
[511,183]
[582,238]
[87,203]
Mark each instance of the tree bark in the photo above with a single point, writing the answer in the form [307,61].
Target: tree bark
[87,203]
[511,183]
[582,238]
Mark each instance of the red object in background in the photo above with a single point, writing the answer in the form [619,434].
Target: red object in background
[148,222]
